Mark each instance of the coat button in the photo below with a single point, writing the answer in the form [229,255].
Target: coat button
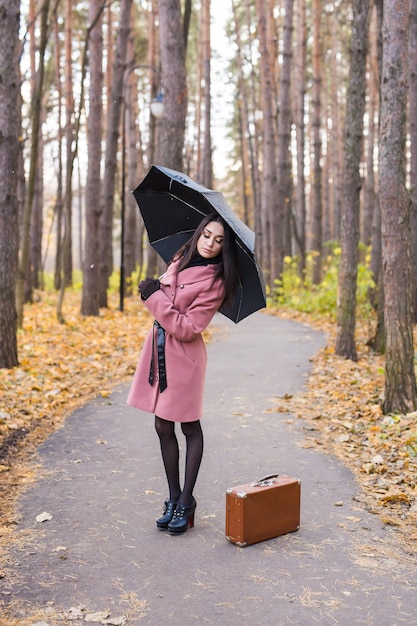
[181,286]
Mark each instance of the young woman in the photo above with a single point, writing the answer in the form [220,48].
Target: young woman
[169,379]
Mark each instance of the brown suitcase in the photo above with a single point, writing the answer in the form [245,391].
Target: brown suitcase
[264,509]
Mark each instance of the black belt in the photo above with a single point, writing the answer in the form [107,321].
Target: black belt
[160,344]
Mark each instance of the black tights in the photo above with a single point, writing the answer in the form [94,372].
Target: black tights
[170,455]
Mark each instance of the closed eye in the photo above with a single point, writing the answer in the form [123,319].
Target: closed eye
[207,234]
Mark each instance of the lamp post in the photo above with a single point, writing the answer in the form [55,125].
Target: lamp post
[157,110]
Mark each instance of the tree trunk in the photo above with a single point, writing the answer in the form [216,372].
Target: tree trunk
[35,128]
[284,185]
[299,96]
[9,157]
[112,137]
[206,172]
[249,179]
[400,382]
[35,256]
[70,141]
[412,59]
[155,125]
[317,208]
[174,79]
[90,294]
[376,295]
[369,205]
[336,139]
[134,156]
[269,199]
[355,108]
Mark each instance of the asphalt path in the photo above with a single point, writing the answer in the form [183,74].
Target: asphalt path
[100,478]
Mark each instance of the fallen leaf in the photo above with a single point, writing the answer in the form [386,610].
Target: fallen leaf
[74,613]
[99,616]
[43,517]
[395,497]
[115,621]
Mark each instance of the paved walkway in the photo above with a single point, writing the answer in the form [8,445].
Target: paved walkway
[103,484]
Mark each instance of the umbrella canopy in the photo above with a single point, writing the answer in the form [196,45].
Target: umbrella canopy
[172,206]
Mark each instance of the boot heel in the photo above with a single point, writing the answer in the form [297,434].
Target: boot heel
[191,521]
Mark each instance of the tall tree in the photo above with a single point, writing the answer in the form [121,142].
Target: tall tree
[412,58]
[112,137]
[9,156]
[317,205]
[90,293]
[400,382]
[336,133]
[35,133]
[299,97]
[70,142]
[377,293]
[352,183]
[246,96]
[206,163]
[284,184]
[174,79]
[270,255]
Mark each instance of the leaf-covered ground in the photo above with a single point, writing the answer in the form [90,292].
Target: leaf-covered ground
[63,366]
[342,409]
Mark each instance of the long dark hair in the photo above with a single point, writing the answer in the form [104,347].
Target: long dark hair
[226,267]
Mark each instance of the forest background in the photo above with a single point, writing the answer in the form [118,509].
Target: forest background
[320,159]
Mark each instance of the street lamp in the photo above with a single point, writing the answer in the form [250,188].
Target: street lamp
[157,110]
[157,105]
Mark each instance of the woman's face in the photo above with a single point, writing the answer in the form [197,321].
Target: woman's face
[210,242]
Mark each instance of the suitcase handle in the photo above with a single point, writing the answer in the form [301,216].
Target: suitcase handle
[266,480]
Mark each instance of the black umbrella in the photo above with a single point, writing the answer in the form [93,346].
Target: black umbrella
[172,206]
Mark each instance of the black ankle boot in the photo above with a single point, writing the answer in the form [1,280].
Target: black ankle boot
[168,514]
[183,518]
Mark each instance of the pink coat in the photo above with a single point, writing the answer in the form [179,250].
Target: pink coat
[184,306]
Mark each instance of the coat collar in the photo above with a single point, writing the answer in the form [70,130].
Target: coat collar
[188,275]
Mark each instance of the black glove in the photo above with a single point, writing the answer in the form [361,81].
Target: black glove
[147,287]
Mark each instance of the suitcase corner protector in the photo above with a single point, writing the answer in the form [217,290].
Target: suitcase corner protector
[239,494]
[240,544]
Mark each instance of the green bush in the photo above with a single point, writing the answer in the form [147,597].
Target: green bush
[297,292]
